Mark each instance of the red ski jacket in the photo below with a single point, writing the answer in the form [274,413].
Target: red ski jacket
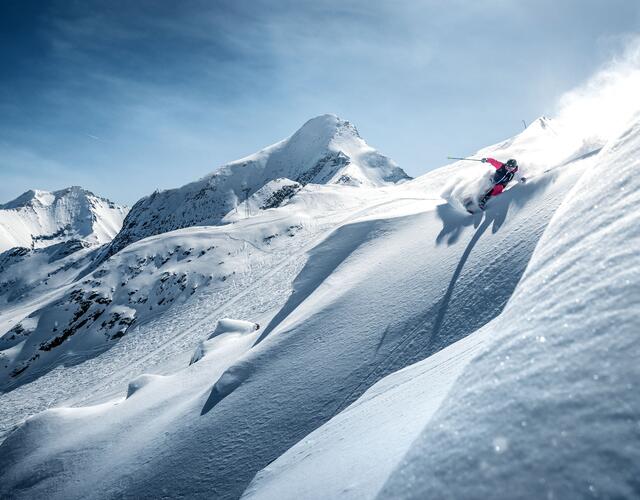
[495,163]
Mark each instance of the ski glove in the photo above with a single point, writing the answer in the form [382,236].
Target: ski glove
[484,160]
[523,180]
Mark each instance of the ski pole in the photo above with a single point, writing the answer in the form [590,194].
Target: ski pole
[467,159]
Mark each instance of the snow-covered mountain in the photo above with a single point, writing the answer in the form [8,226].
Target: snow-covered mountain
[326,150]
[359,338]
[141,281]
[37,219]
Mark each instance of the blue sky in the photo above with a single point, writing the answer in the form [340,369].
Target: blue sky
[123,97]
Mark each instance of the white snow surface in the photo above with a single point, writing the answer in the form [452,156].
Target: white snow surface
[405,348]
[37,218]
[536,404]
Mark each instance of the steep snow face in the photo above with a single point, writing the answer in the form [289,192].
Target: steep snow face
[325,150]
[548,409]
[37,219]
[537,403]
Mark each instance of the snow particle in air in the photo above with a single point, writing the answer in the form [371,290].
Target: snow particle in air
[500,444]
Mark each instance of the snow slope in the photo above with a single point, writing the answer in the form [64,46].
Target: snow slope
[560,376]
[538,403]
[59,234]
[138,284]
[399,278]
[326,149]
[37,219]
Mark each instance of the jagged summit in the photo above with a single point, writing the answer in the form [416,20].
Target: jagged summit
[39,218]
[319,138]
[324,129]
[325,150]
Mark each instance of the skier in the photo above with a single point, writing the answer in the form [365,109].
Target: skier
[505,172]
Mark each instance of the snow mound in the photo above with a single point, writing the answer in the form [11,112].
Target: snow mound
[226,330]
[37,219]
[226,325]
[141,381]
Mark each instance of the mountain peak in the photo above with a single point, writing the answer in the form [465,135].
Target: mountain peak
[540,124]
[29,198]
[39,218]
[324,150]
[42,197]
[326,126]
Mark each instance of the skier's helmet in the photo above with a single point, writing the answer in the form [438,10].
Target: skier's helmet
[512,165]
